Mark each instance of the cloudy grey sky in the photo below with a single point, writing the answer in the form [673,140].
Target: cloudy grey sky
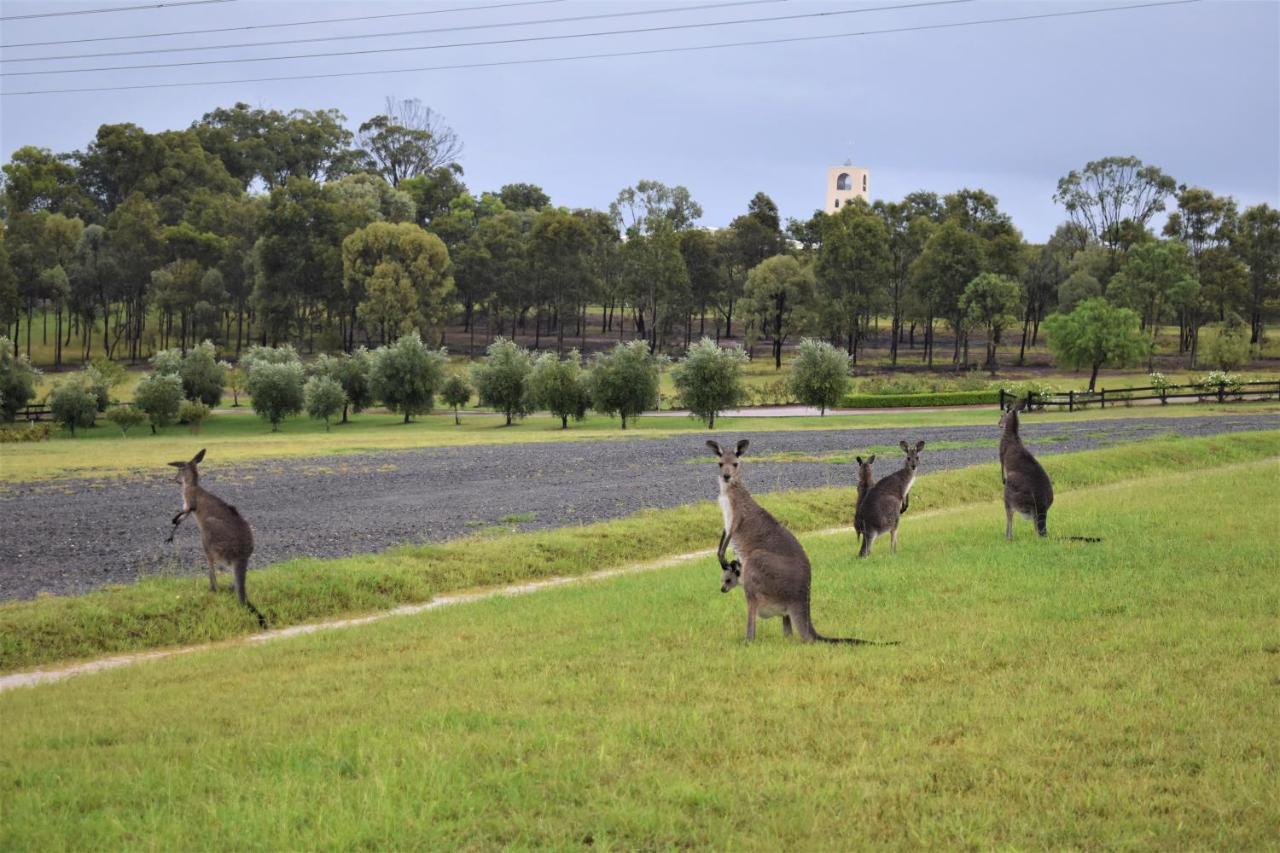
[1009,107]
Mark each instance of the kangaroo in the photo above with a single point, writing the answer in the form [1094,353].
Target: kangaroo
[879,512]
[772,568]
[226,536]
[1027,488]
[865,482]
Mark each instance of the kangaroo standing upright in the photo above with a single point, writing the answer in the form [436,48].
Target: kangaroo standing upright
[225,535]
[865,482]
[1027,488]
[772,568]
[879,512]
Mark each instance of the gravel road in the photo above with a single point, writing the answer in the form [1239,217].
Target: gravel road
[71,536]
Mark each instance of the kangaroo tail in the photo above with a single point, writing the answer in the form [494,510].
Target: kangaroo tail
[240,571]
[1081,538]
[850,641]
[1042,522]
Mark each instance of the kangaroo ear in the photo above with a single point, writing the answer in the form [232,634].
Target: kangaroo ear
[903,445]
[177,464]
[919,446]
[859,458]
[742,446]
[871,458]
[195,460]
[715,448]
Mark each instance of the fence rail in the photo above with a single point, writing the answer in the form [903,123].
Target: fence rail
[1220,392]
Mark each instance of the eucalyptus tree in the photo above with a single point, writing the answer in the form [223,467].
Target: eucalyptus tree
[398,275]
[951,259]
[992,301]
[908,231]
[853,270]
[1258,245]
[1113,199]
[780,294]
[1095,334]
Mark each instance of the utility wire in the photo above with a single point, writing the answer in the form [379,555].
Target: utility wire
[114,9]
[248,27]
[629,53]
[459,28]
[490,43]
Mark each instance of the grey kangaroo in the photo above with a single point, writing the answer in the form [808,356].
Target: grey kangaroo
[773,568]
[879,512]
[1027,489]
[865,482]
[226,536]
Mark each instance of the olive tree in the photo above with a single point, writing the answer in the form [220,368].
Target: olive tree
[202,374]
[125,417]
[560,387]
[624,381]
[819,374]
[17,380]
[709,379]
[501,380]
[276,389]
[74,403]
[159,395]
[352,372]
[456,392]
[406,374]
[324,398]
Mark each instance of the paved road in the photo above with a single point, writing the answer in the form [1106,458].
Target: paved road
[72,536]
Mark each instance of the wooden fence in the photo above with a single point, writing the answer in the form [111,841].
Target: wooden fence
[1221,392]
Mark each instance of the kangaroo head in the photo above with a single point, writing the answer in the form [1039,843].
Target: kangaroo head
[864,467]
[1010,415]
[913,454]
[730,577]
[730,467]
[187,474]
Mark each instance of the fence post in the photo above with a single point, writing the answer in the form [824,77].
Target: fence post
[1102,403]
[1002,399]
[1071,401]
[1222,388]
[1163,391]
[1031,400]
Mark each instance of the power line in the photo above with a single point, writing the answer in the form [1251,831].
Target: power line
[459,28]
[114,9]
[248,27]
[619,54]
[490,43]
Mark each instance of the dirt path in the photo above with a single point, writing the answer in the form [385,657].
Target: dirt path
[67,537]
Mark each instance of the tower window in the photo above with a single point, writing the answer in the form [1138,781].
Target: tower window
[837,202]
[843,182]
[864,183]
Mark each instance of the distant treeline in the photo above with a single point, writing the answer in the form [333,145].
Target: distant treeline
[261,227]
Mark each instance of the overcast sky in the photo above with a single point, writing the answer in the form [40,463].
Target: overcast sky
[1009,107]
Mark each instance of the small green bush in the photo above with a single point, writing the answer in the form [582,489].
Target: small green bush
[193,413]
[159,395]
[74,403]
[324,398]
[276,389]
[125,417]
[26,432]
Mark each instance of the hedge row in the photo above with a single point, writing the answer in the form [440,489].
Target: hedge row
[940,398]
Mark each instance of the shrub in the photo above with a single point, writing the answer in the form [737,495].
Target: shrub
[113,373]
[125,417]
[560,387]
[276,389]
[98,386]
[819,374]
[203,375]
[933,398]
[192,413]
[456,392]
[624,381]
[501,379]
[74,403]
[709,379]
[406,374]
[1220,380]
[324,398]
[159,395]
[256,355]
[1230,349]
[26,432]
[352,372]
[17,381]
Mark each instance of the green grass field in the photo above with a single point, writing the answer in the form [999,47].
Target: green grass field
[242,437]
[1047,694]
[162,611]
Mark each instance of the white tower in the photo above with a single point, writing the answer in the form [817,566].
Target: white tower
[845,183]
